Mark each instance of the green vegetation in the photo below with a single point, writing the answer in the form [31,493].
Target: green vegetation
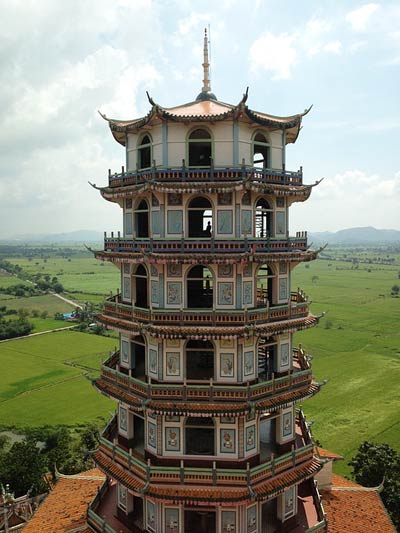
[356,347]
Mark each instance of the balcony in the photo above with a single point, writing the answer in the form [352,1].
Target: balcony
[252,245]
[183,174]
[296,308]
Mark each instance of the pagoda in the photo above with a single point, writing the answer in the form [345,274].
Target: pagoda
[207,437]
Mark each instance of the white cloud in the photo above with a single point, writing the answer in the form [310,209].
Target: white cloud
[335,47]
[360,18]
[274,53]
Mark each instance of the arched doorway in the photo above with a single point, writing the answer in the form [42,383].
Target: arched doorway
[261,155]
[199,359]
[142,220]
[141,287]
[200,221]
[199,288]
[200,148]
[199,436]
[263,222]
[265,278]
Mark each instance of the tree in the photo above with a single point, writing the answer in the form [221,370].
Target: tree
[395,290]
[374,463]
[314,279]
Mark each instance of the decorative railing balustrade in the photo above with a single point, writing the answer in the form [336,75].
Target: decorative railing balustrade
[93,519]
[209,245]
[206,390]
[184,174]
[300,452]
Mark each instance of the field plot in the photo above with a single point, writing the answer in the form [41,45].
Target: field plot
[357,348]
[46,302]
[43,383]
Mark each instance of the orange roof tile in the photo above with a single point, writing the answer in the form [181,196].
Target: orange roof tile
[354,511]
[65,507]
[328,454]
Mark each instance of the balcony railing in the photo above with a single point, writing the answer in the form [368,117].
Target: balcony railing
[218,174]
[210,245]
[296,308]
[208,390]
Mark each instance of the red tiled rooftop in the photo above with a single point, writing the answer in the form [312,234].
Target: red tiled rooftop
[328,454]
[65,507]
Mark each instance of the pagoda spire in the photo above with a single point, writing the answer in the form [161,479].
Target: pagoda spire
[206,66]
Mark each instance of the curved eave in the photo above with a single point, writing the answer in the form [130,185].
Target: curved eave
[291,124]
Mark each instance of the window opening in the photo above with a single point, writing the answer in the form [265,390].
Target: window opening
[142,220]
[203,521]
[263,224]
[138,357]
[260,151]
[144,153]
[141,298]
[200,288]
[267,359]
[267,437]
[264,286]
[199,436]
[200,217]
[200,148]
[199,360]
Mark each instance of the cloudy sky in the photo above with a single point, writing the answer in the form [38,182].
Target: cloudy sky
[61,61]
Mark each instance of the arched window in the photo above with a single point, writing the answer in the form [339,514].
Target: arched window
[265,278]
[263,225]
[199,288]
[141,287]
[261,158]
[144,153]
[200,217]
[142,220]
[199,436]
[200,148]
[199,360]
[138,357]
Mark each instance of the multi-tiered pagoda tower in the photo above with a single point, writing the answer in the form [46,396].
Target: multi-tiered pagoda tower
[207,437]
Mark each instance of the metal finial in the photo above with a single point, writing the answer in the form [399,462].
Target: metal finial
[206,65]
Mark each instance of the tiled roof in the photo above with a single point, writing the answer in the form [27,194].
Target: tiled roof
[350,508]
[322,452]
[65,507]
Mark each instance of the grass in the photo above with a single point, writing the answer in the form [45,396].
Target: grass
[46,302]
[41,387]
[357,348]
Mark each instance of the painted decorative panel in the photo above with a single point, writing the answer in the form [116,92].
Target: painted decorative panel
[126,288]
[246,198]
[155,221]
[225,293]
[154,292]
[248,363]
[289,504]
[127,268]
[225,271]
[123,418]
[225,198]
[154,271]
[252,519]
[227,440]
[128,203]
[227,365]
[227,420]
[282,268]
[174,292]
[122,496]
[172,439]
[247,271]
[128,224]
[173,343]
[228,521]
[280,202]
[154,201]
[174,198]
[151,515]
[171,520]
[172,418]
[287,424]
[249,341]
[227,343]
[280,222]
[153,361]
[124,351]
[246,221]
[283,288]
[247,292]
[225,221]
[151,435]
[174,270]
[174,222]
[173,364]
[250,438]
[284,354]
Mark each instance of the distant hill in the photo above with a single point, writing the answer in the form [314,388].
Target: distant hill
[79,236]
[367,235]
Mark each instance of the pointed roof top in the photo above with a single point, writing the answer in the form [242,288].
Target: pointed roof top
[206,93]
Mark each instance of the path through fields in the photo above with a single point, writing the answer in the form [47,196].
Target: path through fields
[71,302]
[39,333]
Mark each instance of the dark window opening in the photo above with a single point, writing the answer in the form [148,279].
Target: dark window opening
[203,521]
[267,437]
[137,514]
[144,153]
[199,288]
[267,359]
[260,152]
[200,217]
[200,148]
[138,433]
[199,436]
[138,357]
[142,220]
[264,286]
[141,290]
[199,360]
[263,225]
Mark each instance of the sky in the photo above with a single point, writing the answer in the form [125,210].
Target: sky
[62,61]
